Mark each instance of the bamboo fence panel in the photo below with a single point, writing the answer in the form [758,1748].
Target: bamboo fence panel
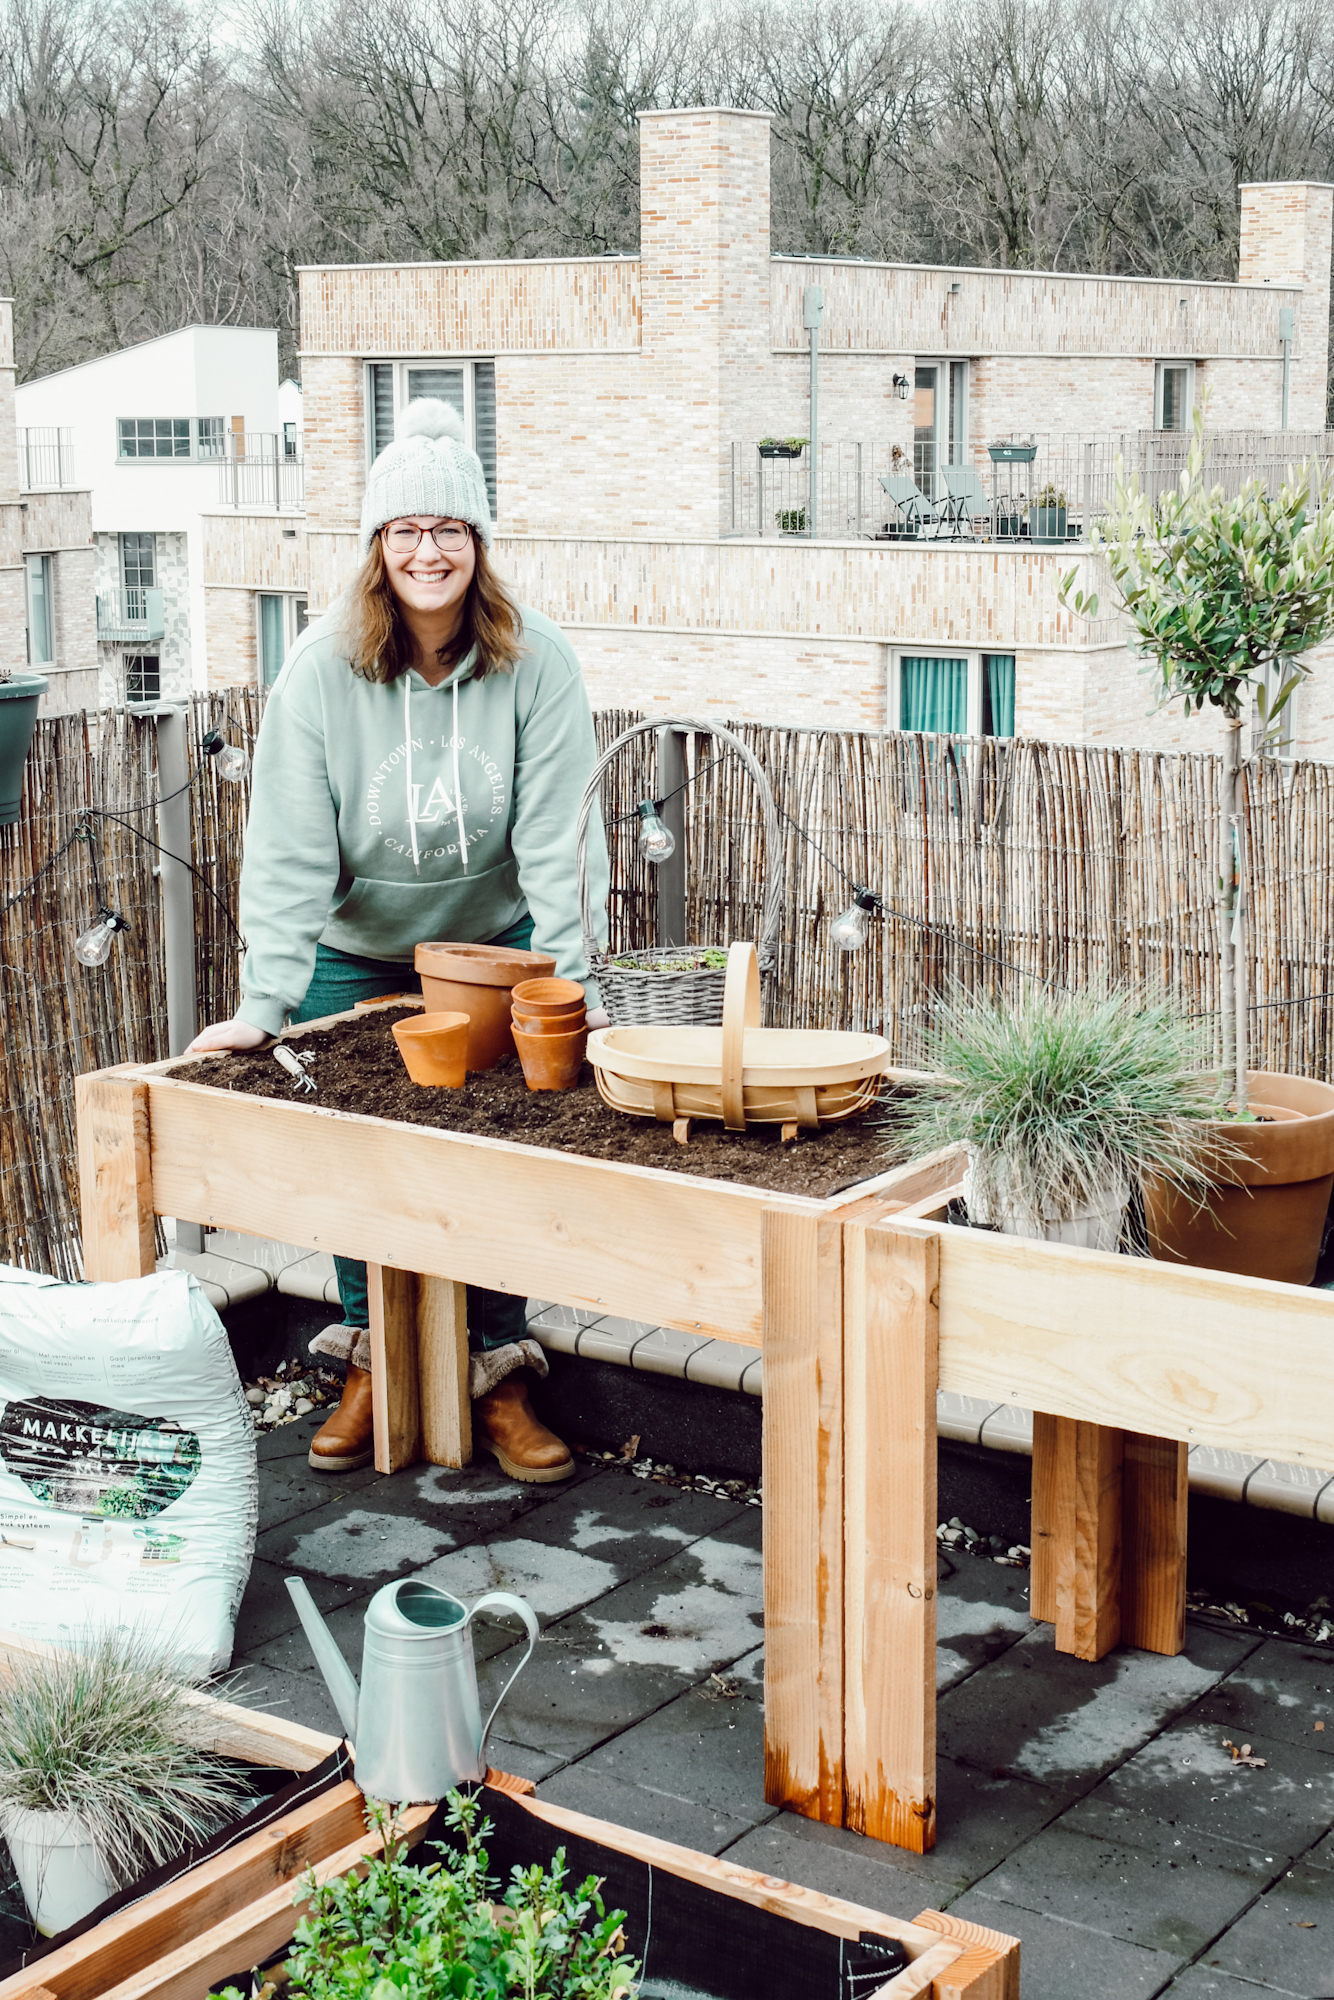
[1000,862]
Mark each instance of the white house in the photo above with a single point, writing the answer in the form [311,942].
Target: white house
[160,434]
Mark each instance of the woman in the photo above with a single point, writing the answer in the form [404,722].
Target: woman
[418,775]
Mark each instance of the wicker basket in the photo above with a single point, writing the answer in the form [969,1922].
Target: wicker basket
[635,996]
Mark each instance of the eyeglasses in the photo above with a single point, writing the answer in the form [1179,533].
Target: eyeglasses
[402,537]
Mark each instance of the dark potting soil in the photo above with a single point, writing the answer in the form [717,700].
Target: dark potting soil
[357,1067]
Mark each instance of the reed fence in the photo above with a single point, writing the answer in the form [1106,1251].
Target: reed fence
[1000,862]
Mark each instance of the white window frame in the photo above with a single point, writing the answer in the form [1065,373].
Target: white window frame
[1158,371]
[217,449]
[141,701]
[943,364]
[48,580]
[974,657]
[402,368]
[292,630]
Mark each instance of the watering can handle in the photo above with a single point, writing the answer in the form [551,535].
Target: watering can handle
[505,1600]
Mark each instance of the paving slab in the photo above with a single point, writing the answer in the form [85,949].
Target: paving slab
[1173,1902]
[705,1749]
[267,1609]
[1202,1982]
[1061,1960]
[981,1611]
[299,1697]
[1185,1775]
[662,1814]
[1063,1721]
[1287,1938]
[1280,1693]
[290,1487]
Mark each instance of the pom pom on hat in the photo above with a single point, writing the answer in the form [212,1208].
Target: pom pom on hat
[428,469]
[428,417]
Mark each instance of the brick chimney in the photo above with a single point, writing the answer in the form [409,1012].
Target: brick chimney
[1286,229]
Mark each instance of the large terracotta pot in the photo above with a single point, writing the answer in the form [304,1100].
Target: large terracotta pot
[1267,1218]
[475,979]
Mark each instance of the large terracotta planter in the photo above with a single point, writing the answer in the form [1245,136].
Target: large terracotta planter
[1267,1219]
[476,980]
[18,724]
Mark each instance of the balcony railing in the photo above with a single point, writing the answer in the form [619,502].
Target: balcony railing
[259,470]
[46,458]
[1037,487]
[129,617]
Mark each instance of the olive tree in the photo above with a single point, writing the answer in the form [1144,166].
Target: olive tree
[1226,595]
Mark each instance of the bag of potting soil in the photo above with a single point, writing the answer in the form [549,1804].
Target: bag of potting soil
[128,1487]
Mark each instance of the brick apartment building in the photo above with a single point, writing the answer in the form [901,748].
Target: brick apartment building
[618,403]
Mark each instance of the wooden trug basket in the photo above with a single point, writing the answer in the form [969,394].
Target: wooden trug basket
[741,1072]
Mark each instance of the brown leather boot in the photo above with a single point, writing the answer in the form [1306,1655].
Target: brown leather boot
[504,1423]
[345,1440]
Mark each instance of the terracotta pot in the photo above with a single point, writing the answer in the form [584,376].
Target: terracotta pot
[434,1048]
[475,979]
[550,1024]
[548,998]
[1267,1219]
[551,1062]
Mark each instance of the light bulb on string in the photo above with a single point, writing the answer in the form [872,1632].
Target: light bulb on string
[848,930]
[657,842]
[93,946]
[230,761]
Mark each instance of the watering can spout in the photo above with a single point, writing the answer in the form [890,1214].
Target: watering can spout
[341,1681]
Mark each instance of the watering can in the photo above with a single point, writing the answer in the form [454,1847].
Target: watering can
[415,1724]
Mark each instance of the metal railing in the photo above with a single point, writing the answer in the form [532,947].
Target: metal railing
[129,616]
[258,471]
[46,457]
[1034,487]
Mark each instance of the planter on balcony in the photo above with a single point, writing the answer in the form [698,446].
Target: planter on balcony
[1047,524]
[788,450]
[19,698]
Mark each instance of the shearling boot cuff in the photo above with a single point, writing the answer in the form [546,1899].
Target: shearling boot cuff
[344,1343]
[493,1364]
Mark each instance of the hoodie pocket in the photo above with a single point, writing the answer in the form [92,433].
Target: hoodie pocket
[390,919]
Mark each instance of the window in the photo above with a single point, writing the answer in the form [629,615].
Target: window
[143,677]
[961,694]
[282,620]
[1173,395]
[154,437]
[41,622]
[138,570]
[289,440]
[467,386]
[213,437]
[940,419]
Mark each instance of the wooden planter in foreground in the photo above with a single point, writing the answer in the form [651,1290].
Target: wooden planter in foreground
[863,1306]
[239,1908]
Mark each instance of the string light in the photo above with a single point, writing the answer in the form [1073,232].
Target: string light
[657,842]
[848,931]
[93,946]
[230,761]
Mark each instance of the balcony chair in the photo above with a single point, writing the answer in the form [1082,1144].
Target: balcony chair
[915,510]
[967,499]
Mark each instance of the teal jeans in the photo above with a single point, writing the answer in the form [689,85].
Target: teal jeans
[339,981]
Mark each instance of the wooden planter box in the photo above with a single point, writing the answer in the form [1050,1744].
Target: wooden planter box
[864,1306]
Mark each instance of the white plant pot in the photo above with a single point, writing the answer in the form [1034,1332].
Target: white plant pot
[1097,1227]
[57,1865]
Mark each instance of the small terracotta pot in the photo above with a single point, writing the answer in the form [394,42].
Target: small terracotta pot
[543,998]
[435,1048]
[550,1024]
[475,979]
[551,1062]
[1267,1218]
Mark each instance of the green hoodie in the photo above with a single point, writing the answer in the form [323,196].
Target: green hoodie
[383,816]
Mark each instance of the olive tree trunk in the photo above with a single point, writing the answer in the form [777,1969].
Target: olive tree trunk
[1231,918]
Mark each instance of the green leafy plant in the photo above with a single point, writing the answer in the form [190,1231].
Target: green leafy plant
[107,1730]
[788,444]
[1062,1101]
[1226,595]
[707,958]
[792,521]
[437,1932]
[1050,496]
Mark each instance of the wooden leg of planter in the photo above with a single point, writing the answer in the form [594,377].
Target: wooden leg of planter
[891,1368]
[1077,1522]
[115,1176]
[1153,1535]
[989,1968]
[442,1371]
[393,1304]
[802,1266]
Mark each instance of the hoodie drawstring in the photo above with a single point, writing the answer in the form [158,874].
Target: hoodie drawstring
[412,804]
[458,795]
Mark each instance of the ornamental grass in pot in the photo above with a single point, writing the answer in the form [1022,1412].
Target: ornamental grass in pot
[105,1772]
[1227,593]
[1063,1103]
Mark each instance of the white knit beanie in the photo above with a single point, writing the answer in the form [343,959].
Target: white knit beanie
[428,469]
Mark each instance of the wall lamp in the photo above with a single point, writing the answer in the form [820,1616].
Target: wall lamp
[900,386]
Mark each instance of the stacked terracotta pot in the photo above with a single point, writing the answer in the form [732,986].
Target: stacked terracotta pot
[550,1028]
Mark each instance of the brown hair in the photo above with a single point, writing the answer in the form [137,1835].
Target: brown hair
[377,640]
